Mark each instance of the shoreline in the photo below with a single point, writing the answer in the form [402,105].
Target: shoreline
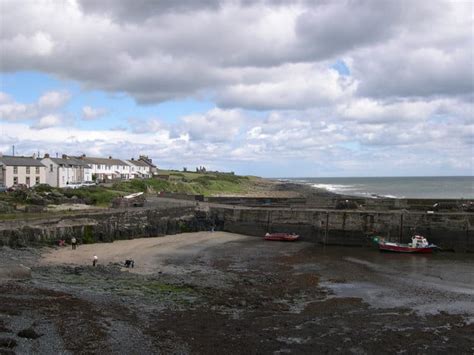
[367,194]
[193,293]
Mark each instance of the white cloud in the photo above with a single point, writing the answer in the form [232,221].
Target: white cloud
[11,110]
[90,113]
[53,100]
[215,125]
[398,48]
[409,92]
[47,122]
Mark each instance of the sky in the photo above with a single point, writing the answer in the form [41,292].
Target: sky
[272,88]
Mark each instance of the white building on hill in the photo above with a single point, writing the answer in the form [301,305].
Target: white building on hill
[60,172]
[107,169]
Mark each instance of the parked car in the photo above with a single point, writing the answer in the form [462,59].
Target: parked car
[73,185]
[3,188]
[89,183]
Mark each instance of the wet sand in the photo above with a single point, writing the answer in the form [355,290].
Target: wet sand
[227,293]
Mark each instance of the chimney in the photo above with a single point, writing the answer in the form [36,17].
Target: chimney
[133,158]
[46,155]
[64,156]
[83,156]
[110,157]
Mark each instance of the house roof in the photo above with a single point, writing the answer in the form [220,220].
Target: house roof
[69,161]
[9,160]
[147,161]
[104,161]
[137,163]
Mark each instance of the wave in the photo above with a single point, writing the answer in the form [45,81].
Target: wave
[355,190]
[335,187]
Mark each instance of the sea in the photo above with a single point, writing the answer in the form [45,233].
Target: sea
[432,187]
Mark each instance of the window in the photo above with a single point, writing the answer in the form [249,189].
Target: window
[15,170]
[15,180]
[51,167]
[37,180]
[28,181]
[27,169]
[37,170]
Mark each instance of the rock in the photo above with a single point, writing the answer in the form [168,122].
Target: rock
[5,207]
[35,208]
[15,272]
[28,333]
[7,343]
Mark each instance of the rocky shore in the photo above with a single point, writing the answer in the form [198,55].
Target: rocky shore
[219,292]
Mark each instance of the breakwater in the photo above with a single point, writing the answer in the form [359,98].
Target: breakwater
[451,231]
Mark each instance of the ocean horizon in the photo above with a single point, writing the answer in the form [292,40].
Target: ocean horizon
[446,187]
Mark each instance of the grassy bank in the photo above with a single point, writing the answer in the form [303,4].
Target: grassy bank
[207,184]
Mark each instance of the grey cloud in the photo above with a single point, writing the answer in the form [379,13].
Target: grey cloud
[141,10]
[171,50]
[340,26]
[416,73]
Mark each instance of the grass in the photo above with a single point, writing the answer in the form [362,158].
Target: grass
[189,183]
[207,184]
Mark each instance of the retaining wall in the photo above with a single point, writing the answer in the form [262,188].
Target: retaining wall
[452,231]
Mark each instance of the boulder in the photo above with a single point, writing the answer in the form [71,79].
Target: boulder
[14,272]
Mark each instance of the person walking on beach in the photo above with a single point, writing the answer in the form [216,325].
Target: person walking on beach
[94,260]
[73,243]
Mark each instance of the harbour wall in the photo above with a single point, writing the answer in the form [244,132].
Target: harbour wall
[451,231]
[104,226]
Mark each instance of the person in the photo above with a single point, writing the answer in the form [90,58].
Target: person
[73,243]
[94,261]
[129,263]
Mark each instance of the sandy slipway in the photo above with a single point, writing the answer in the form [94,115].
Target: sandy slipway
[228,293]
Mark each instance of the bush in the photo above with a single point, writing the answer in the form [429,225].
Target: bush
[40,188]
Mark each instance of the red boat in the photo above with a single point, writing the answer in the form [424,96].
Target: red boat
[418,245]
[285,237]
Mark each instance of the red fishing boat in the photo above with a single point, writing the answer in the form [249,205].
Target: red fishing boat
[418,245]
[285,237]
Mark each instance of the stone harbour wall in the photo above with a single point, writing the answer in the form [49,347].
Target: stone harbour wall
[102,227]
[450,231]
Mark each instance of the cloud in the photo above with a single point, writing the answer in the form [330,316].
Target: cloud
[53,100]
[90,113]
[173,50]
[11,110]
[295,86]
[409,91]
[45,108]
[47,122]
[367,110]
[215,125]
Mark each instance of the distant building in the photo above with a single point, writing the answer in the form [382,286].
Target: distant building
[149,162]
[60,172]
[107,169]
[21,170]
[139,169]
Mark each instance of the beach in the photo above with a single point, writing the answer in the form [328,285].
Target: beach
[210,292]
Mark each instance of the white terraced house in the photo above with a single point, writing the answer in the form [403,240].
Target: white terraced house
[61,172]
[107,169]
[16,170]
[139,169]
